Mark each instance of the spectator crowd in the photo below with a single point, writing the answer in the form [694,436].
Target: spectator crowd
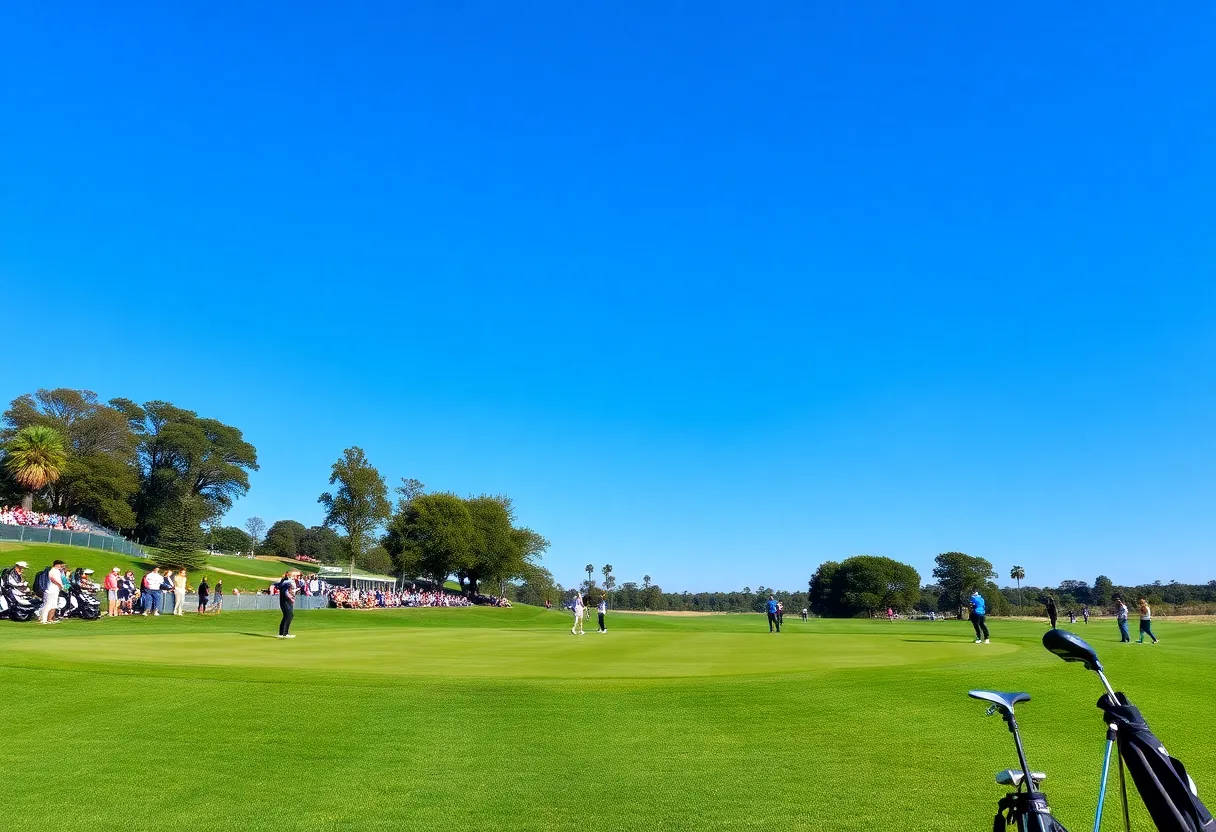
[17,516]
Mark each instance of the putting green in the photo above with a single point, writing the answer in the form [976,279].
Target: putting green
[501,719]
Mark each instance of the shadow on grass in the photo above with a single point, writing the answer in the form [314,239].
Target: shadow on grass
[258,635]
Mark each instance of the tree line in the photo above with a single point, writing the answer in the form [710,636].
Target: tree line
[155,471]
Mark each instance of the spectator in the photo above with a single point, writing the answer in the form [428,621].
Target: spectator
[1121,617]
[1051,610]
[1146,622]
[601,610]
[50,598]
[774,622]
[111,585]
[179,592]
[204,591]
[287,602]
[151,592]
[219,595]
[126,593]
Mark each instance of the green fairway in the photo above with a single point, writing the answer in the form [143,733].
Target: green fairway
[501,719]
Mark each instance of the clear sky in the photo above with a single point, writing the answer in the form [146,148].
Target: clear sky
[715,291]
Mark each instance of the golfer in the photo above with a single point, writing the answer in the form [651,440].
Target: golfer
[1121,617]
[577,608]
[1051,610]
[287,603]
[774,620]
[600,610]
[978,610]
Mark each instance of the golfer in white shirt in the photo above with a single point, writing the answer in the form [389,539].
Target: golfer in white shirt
[577,629]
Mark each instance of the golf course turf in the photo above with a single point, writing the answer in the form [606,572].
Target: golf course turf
[501,719]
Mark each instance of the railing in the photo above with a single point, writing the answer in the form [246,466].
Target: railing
[84,539]
[245,602]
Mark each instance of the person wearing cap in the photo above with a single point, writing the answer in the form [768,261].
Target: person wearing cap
[13,577]
[179,592]
[111,585]
[50,598]
[979,609]
[774,621]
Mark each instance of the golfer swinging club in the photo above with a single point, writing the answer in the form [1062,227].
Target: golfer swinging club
[978,608]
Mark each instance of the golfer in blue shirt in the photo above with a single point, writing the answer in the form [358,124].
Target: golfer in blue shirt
[978,608]
[774,620]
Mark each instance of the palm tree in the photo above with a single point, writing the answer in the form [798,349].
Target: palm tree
[1018,574]
[590,569]
[35,457]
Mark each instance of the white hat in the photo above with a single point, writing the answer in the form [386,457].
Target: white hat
[116,569]
[88,571]
[22,564]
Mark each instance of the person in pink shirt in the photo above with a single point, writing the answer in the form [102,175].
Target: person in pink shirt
[111,585]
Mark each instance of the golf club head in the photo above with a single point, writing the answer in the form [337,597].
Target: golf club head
[1071,648]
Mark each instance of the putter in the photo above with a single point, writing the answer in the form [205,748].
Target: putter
[1072,648]
[1026,810]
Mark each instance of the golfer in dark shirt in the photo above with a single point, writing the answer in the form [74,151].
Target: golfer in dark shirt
[287,603]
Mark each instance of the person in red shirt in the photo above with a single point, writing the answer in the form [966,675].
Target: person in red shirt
[111,585]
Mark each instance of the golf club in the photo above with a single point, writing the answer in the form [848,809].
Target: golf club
[1026,810]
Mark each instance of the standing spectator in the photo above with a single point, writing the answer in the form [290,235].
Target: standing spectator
[774,622]
[890,614]
[780,614]
[979,610]
[1051,610]
[219,595]
[601,610]
[287,603]
[1146,622]
[1085,613]
[204,590]
[111,586]
[1121,617]
[805,613]
[151,591]
[126,592]
[179,592]
[50,598]
[578,609]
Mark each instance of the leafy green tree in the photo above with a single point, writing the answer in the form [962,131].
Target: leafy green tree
[820,596]
[181,456]
[494,551]
[322,543]
[958,574]
[283,539]
[865,584]
[35,457]
[375,560]
[100,475]
[609,580]
[537,587]
[431,536]
[360,504]
[1103,592]
[227,539]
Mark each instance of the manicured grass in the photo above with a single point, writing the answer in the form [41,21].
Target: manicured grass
[500,719]
[39,555]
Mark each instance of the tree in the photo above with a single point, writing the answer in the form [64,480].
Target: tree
[494,550]
[181,538]
[227,539]
[1019,575]
[360,503]
[1103,591]
[864,584]
[100,474]
[958,574]
[645,582]
[322,543]
[376,560]
[538,586]
[182,455]
[283,538]
[35,457]
[431,535]
[609,580]
[590,568]
[255,526]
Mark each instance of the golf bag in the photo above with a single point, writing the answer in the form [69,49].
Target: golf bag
[1167,790]
[1025,812]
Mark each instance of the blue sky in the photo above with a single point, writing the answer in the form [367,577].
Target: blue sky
[714,292]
